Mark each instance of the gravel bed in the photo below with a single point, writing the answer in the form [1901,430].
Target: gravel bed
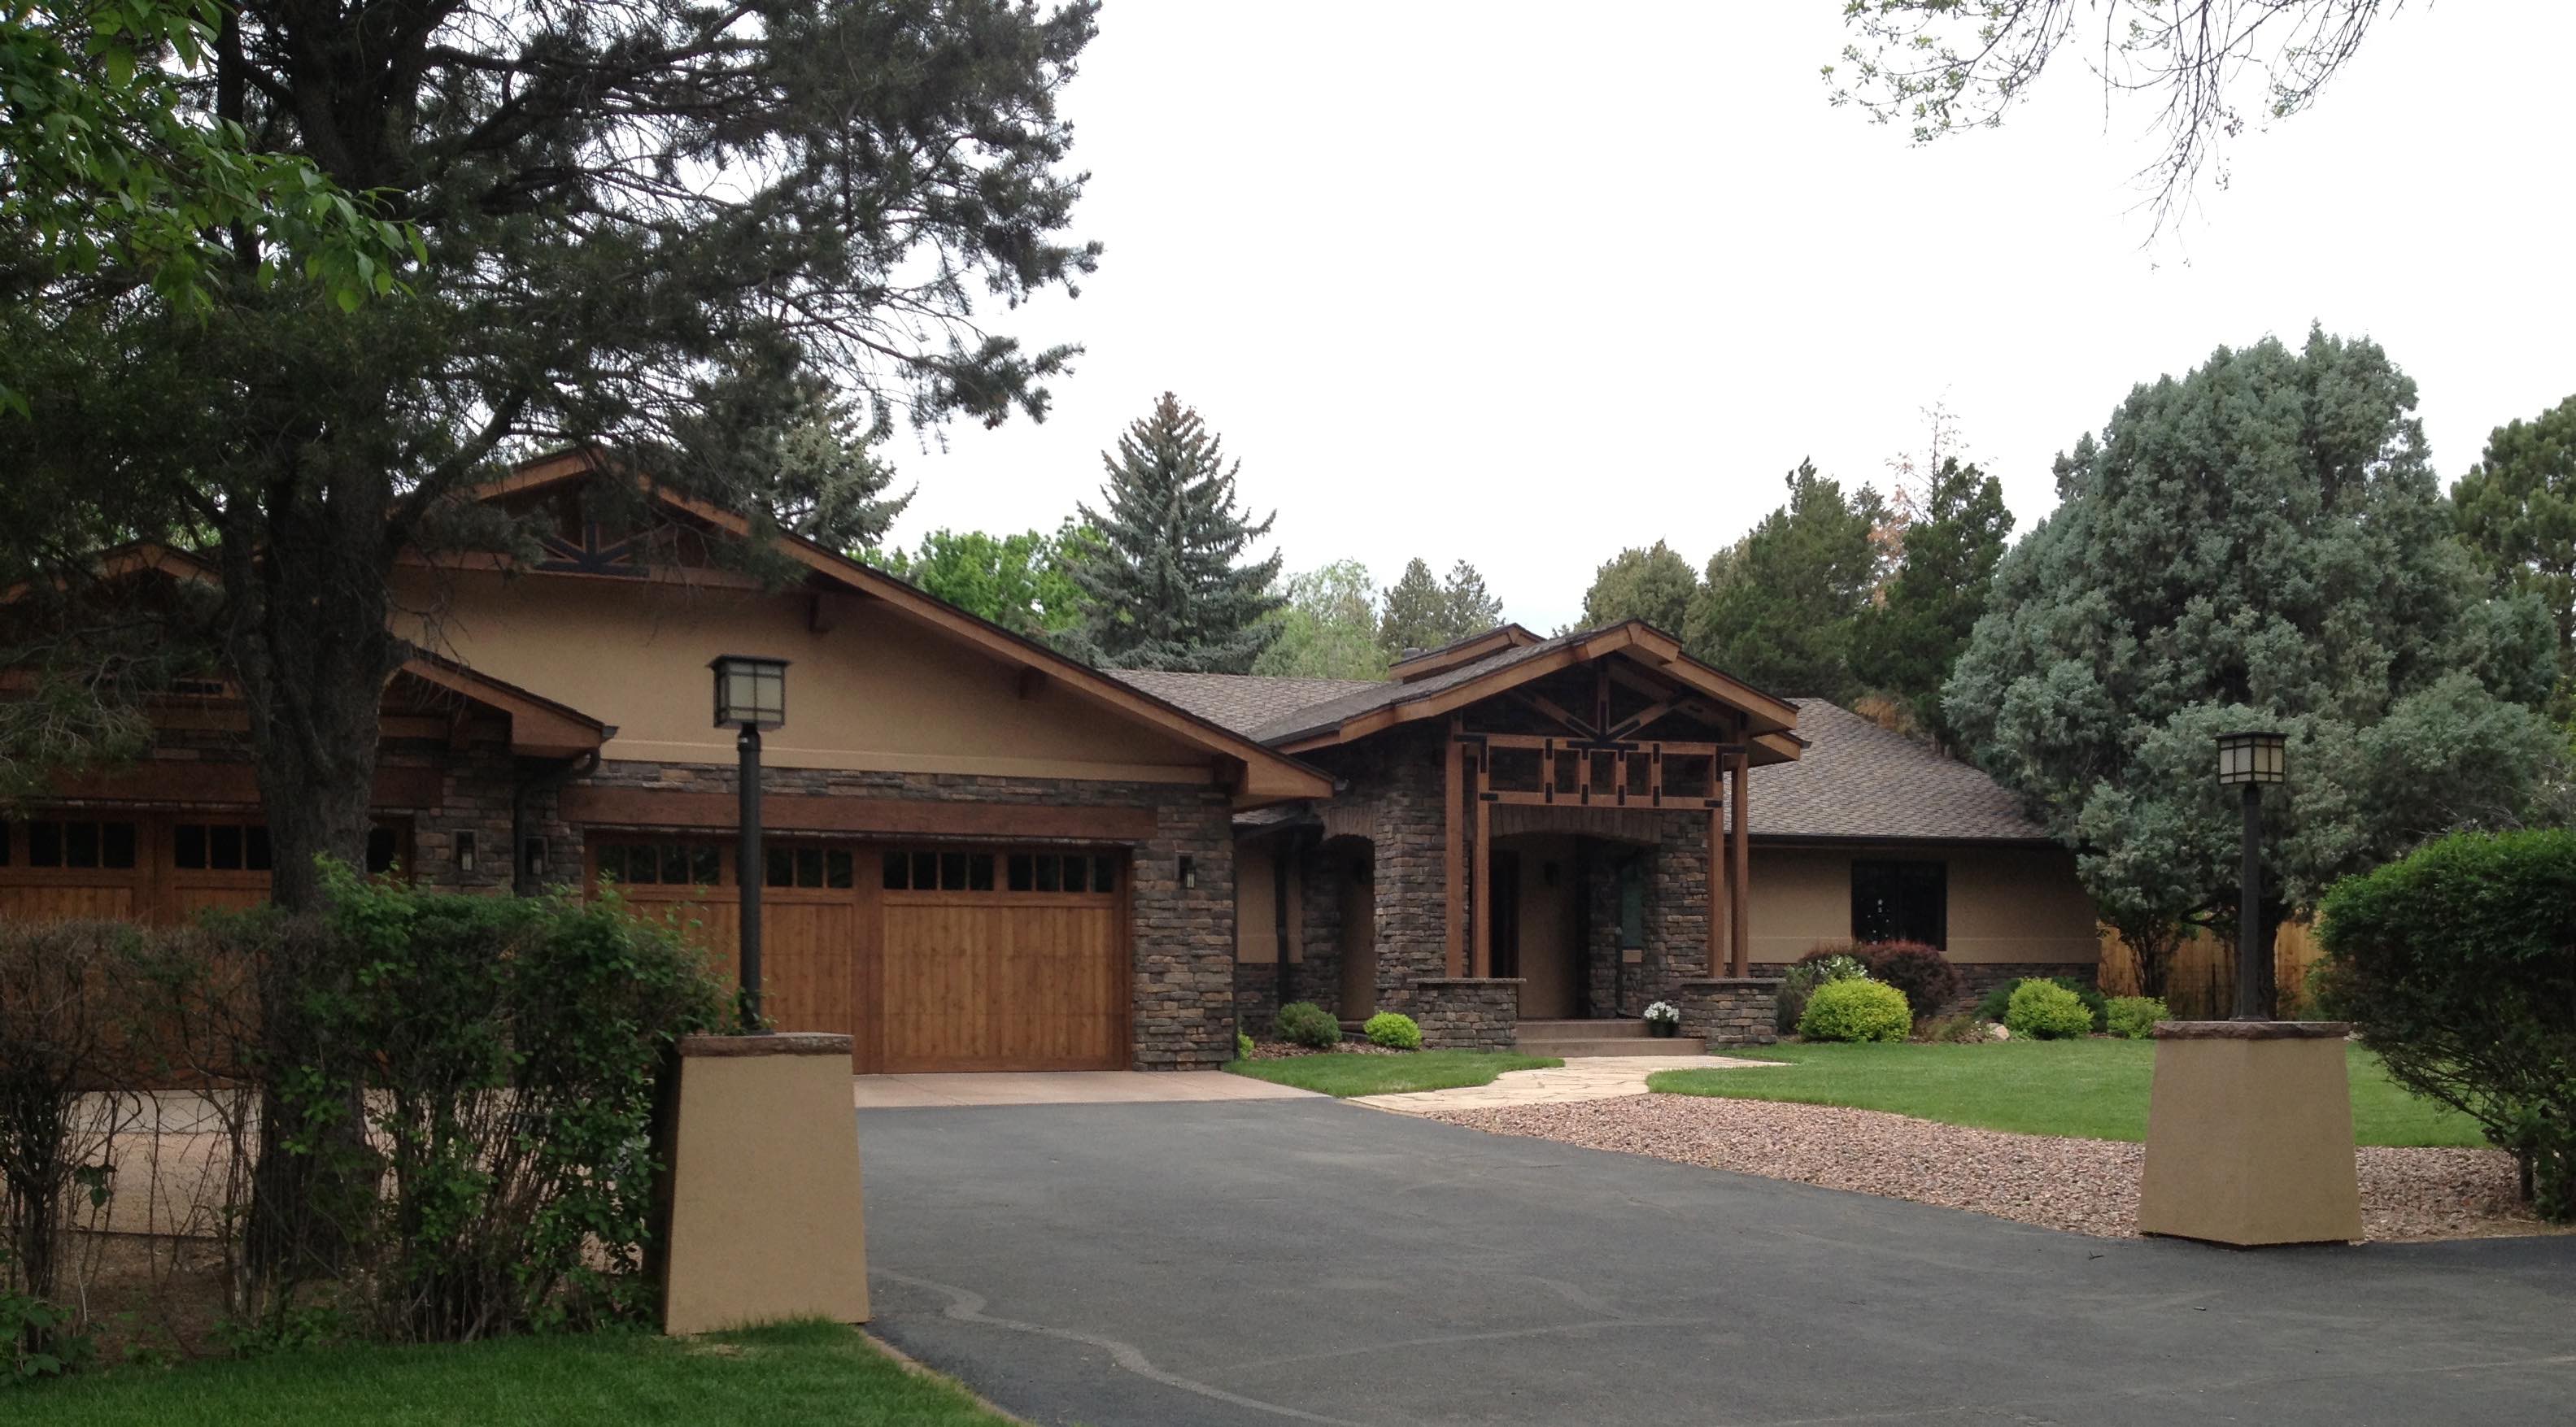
[2084,1186]
[1290,1050]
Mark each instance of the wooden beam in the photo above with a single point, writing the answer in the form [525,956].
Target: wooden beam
[1483,945]
[1550,708]
[1721,913]
[1452,858]
[881,817]
[1643,717]
[1741,904]
[171,783]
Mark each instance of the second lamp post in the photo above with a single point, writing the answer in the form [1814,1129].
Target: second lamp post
[2250,760]
[751,695]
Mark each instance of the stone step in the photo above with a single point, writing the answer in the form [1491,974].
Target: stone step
[1582,1030]
[1567,1049]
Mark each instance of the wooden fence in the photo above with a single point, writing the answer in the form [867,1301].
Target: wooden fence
[2202,985]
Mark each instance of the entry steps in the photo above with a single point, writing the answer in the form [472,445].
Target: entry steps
[1574,1040]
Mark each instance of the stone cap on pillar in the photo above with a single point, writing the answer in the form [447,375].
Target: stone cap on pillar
[2252,1030]
[1731,982]
[778,1043]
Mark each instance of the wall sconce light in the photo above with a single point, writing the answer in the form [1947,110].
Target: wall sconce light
[1189,872]
[465,853]
[532,858]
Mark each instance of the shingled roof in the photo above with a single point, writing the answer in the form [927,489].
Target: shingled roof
[1858,781]
[1242,702]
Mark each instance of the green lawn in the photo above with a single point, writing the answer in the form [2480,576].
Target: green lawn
[786,1376]
[1343,1076]
[2092,1089]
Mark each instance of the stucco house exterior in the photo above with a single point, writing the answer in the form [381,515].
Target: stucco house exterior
[985,856]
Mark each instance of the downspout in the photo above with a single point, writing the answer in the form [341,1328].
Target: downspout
[523,882]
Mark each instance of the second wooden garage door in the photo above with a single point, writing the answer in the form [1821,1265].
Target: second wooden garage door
[932,959]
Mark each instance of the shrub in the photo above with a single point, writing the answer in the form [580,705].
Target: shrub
[2457,964]
[1927,978]
[2046,1011]
[2134,1017]
[1307,1024]
[1824,964]
[1856,1009]
[1393,1030]
[1996,1001]
[1242,1046]
[1954,1030]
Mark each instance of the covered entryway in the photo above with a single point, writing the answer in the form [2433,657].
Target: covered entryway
[929,958]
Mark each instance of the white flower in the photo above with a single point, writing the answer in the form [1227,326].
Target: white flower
[1663,1011]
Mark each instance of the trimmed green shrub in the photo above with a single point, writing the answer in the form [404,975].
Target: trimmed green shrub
[2046,1011]
[1307,1024]
[2134,1017]
[1992,1005]
[1826,963]
[1242,1046]
[2457,964]
[1394,1030]
[1856,1009]
[1927,978]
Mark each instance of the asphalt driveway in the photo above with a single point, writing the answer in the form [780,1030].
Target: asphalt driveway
[1309,1261]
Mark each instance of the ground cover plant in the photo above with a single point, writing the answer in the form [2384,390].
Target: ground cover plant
[1343,1076]
[790,1375]
[2457,964]
[2091,1088]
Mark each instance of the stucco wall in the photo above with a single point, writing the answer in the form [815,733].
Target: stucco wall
[871,690]
[2007,904]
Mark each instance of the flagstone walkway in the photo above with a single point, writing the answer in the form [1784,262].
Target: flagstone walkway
[1606,1077]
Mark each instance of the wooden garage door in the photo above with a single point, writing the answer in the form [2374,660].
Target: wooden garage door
[163,867]
[929,958]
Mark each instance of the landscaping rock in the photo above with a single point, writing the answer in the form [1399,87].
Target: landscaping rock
[2083,1186]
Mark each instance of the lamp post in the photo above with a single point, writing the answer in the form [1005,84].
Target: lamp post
[2250,760]
[751,695]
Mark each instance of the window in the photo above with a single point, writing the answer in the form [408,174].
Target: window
[671,864]
[84,844]
[219,847]
[909,870]
[809,867]
[1901,901]
[1632,904]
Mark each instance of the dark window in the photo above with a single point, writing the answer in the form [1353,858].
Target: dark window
[80,844]
[255,851]
[809,867]
[782,867]
[116,844]
[1901,901]
[188,846]
[224,848]
[1050,873]
[836,870]
[952,872]
[382,844]
[925,872]
[4,842]
[1073,873]
[44,844]
[897,867]
[979,872]
[1104,874]
[675,863]
[1021,867]
[705,863]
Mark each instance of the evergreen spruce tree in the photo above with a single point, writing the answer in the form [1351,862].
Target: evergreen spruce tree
[1167,588]
[1422,611]
[1472,608]
[1904,646]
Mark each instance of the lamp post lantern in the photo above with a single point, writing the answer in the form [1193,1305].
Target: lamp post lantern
[2250,760]
[751,695]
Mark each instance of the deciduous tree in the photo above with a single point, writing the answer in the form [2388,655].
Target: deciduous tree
[1327,627]
[1023,582]
[1170,586]
[2260,543]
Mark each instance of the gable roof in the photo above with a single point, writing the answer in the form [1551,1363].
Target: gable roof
[1460,651]
[1362,712]
[1261,774]
[1242,702]
[1862,783]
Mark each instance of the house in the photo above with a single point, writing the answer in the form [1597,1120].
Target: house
[1547,830]
[984,856]
[981,855]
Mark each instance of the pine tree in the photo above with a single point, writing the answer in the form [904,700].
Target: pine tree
[1903,646]
[1472,609]
[1778,609]
[1653,584]
[1166,587]
[1424,612]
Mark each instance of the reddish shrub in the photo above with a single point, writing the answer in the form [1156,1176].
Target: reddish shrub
[1926,977]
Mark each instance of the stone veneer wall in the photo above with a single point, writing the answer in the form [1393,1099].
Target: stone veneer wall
[1184,974]
[1676,948]
[1976,978]
[1729,1010]
[1396,783]
[1468,1013]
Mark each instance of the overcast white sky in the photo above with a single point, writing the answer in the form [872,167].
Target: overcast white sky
[1525,284]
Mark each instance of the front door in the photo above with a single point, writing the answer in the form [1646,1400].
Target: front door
[1358,883]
